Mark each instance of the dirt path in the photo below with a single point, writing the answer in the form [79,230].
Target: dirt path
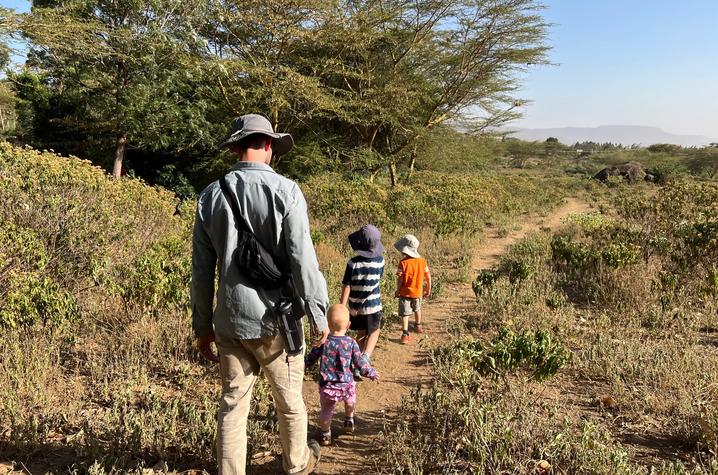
[403,367]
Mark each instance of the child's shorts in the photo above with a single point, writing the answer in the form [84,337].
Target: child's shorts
[367,323]
[408,306]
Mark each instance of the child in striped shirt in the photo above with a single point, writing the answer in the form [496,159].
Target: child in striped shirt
[361,291]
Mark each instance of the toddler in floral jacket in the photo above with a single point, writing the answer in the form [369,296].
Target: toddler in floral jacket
[338,357]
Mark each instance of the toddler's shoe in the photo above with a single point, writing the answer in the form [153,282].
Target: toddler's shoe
[357,375]
[419,328]
[324,438]
[405,338]
[349,426]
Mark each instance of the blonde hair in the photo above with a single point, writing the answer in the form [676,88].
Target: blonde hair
[337,317]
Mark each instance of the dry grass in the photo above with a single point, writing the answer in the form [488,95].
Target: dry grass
[640,395]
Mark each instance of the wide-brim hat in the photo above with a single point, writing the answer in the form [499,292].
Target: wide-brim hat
[408,244]
[250,124]
[366,241]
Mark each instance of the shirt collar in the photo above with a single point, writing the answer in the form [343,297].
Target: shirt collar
[252,166]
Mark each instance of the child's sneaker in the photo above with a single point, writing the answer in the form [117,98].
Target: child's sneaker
[324,438]
[405,338]
[419,328]
[349,426]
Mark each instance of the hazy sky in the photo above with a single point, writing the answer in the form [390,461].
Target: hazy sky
[629,62]
[622,62]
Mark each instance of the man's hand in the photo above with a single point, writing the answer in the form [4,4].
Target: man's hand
[320,338]
[204,347]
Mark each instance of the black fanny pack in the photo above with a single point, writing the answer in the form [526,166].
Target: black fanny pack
[251,257]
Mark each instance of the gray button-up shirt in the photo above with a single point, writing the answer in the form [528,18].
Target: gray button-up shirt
[276,212]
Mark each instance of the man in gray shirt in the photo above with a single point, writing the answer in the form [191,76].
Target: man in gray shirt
[242,323]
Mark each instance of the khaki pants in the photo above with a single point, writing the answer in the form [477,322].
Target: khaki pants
[239,363]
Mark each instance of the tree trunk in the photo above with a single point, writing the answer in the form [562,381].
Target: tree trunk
[120,146]
[412,162]
[373,137]
[392,173]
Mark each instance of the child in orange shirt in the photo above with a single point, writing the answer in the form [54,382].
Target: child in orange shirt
[413,283]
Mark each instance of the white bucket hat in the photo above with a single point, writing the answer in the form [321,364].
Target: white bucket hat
[408,244]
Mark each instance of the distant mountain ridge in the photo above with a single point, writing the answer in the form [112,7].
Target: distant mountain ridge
[618,134]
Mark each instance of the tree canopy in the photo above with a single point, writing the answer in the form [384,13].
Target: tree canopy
[359,81]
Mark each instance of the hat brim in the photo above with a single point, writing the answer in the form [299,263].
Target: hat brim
[355,242]
[409,251]
[281,143]
[376,252]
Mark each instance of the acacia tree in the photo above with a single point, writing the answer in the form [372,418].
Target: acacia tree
[473,74]
[407,66]
[704,161]
[377,74]
[366,77]
[131,66]
[7,28]
[259,48]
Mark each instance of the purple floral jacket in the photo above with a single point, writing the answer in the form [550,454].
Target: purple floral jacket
[337,356]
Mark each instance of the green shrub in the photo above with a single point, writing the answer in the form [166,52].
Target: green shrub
[485,281]
[158,279]
[536,354]
[22,248]
[31,300]
[445,203]
[516,270]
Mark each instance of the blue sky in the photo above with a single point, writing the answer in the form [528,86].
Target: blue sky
[628,62]
[622,62]
[19,5]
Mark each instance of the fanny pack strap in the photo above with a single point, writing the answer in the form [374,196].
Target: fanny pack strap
[239,221]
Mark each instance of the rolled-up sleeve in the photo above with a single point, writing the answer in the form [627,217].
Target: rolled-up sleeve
[204,263]
[309,283]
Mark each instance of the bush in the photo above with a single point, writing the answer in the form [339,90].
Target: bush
[72,241]
[159,279]
[536,354]
[83,219]
[30,299]
[445,203]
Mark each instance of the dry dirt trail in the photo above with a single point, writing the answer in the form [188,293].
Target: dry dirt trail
[403,367]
